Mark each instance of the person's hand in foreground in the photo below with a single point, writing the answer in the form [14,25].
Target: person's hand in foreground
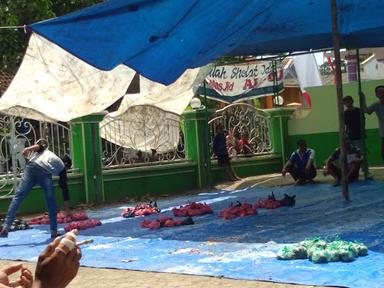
[25,280]
[55,268]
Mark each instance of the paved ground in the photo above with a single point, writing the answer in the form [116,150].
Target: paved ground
[91,277]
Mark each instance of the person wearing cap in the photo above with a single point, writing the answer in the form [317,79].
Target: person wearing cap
[301,165]
[354,160]
[42,165]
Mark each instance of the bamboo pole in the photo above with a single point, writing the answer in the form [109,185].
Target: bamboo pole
[208,148]
[362,122]
[339,91]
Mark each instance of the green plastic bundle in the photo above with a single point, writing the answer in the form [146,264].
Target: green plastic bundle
[347,255]
[285,253]
[300,252]
[319,256]
[333,255]
[360,248]
[319,250]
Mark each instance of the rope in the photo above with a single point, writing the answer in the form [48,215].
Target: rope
[15,27]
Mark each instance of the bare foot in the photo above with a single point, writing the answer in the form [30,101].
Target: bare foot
[300,182]
[336,183]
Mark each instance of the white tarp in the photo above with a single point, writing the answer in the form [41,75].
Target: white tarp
[153,114]
[307,73]
[53,85]
[61,87]
[173,98]
[307,70]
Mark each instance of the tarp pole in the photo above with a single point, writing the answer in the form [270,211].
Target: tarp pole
[362,132]
[274,74]
[208,148]
[339,91]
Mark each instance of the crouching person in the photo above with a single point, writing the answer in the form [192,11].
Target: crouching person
[354,160]
[301,164]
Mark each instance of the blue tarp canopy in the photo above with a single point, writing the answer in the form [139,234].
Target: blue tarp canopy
[162,38]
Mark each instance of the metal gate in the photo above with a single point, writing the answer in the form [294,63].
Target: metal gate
[16,133]
[244,123]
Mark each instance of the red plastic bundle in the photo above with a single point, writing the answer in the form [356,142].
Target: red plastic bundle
[142,209]
[62,217]
[82,225]
[165,221]
[267,203]
[192,209]
[271,202]
[238,210]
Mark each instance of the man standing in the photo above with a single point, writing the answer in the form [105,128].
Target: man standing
[221,151]
[354,122]
[378,108]
[301,164]
[42,165]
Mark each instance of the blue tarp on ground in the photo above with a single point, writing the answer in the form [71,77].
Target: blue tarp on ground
[161,39]
[242,248]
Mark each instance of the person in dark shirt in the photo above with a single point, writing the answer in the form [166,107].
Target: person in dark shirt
[63,182]
[301,164]
[354,122]
[221,151]
[354,160]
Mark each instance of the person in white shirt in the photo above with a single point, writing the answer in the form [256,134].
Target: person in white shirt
[354,160]
[378,108]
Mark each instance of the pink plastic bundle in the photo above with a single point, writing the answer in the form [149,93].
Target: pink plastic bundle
[82,225]
[267,203]
[62,217]
[165,221]
[192,209]
[238,210]
[142,209]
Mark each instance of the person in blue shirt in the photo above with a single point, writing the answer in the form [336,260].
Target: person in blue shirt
[301,165]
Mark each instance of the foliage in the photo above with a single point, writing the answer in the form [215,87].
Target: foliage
[325,68]
[13,42]
[62,7]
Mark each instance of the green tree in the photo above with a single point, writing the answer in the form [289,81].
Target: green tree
[62,7]
[13,42]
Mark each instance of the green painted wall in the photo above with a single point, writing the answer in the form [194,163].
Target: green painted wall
[245,167]
[149,180]
[166,179]
[319,125]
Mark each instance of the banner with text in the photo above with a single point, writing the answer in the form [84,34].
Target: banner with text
[234,83]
